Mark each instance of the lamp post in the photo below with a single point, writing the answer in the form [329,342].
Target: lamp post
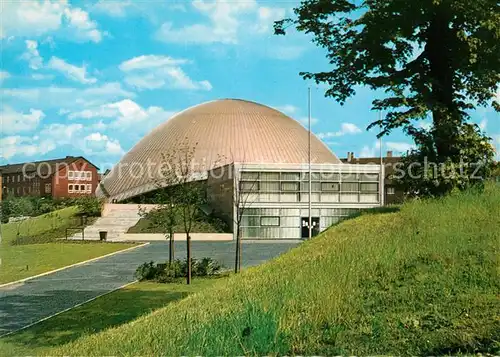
[381,179]
[309,160]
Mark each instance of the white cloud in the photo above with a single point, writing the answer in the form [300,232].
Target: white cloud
[149,62]
[75,73]
[62,134]
[32,56]
[39,18]
[23,146]
[305,121]
[16,122]
[41,77]
[4,75]
[288,109]
[400,147]
[370,151]
[68,97]
[224,19]
[266,17]
[483,124]
[152,71]
[345,129]
[100,144]
[126,114]
[112,8]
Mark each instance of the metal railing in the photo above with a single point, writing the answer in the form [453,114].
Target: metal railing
[76,229]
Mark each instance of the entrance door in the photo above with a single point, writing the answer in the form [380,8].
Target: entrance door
[305,227]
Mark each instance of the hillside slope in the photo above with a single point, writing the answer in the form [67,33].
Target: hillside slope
[421,281]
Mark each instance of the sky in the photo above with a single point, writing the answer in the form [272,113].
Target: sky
[92,78]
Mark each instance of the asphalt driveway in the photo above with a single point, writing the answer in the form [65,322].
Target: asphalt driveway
[36,299]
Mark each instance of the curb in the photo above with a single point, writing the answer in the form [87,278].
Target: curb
[71,266]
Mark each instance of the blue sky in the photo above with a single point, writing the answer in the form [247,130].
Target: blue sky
[92,78]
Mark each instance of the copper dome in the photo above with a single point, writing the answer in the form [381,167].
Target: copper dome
[223,131]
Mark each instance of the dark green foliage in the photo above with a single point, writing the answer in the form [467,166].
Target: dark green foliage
[156,221]
[89,206]
[424,173]
[430,58]
[168,273]
[146,271]
[33,206]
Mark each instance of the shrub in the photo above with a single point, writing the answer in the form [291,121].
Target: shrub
[89,206]
[168,273]
[146,271]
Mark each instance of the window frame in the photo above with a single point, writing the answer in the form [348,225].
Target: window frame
[270,225]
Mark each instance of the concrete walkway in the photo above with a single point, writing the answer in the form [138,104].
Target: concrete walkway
[39,298]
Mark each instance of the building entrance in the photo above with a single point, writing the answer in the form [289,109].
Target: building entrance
[305,227]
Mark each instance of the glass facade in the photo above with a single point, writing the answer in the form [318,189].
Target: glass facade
[288,188]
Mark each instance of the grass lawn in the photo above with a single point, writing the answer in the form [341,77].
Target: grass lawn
[24,260]
[111,310]
[420,281]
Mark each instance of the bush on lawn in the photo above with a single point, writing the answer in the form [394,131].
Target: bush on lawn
[167,273]
[33,206]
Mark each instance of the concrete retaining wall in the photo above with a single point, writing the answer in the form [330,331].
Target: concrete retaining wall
[146,237]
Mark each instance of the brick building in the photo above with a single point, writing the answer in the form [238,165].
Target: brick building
[392,193]
[71,176]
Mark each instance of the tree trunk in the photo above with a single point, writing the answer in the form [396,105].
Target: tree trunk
[171,247]
[239,249]
[446,116]
[238,253]
[188,259]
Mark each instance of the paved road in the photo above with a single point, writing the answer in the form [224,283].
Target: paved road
[26,303]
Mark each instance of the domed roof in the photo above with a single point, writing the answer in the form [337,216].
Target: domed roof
[221,131]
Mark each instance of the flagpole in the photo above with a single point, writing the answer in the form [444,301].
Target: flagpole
[381,180]
[309,159]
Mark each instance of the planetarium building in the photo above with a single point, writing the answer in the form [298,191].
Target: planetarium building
[261,168]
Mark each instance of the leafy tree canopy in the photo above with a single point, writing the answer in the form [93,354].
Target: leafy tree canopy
[430,57]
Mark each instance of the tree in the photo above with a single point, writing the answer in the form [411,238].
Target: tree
[186,189]
[164,216]
[243,191]
[437,57]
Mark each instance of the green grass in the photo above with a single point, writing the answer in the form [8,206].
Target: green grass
[110,310]
[38,225]
[25,256]
[421,281]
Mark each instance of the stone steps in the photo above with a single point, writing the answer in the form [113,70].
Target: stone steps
[116,222]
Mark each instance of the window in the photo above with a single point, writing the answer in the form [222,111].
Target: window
[89,175]
[70,188]
[48,188]
[369,187]
[330,186]
[71,174]
[82,188]
[89,188]
[250,176]
[391,190]
[349,187]
[8,179]
[290,176]
[289,186]
[270,221]
[19,190]
[18,178]
[249,186]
